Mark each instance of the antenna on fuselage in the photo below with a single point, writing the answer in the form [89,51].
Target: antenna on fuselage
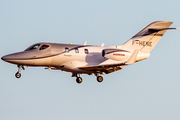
[85,43]
[102,45]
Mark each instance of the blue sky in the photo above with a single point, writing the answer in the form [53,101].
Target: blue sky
[149,89]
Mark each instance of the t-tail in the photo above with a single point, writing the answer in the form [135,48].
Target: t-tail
[146,39]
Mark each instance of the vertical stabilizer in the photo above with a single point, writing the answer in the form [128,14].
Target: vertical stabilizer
[147,38]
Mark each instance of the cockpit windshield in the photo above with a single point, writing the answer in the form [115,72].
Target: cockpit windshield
[37,46]
[43,47]
[33,47]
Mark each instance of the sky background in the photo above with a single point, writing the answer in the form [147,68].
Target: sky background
[147,90]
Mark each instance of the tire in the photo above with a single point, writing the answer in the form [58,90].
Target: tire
[18,75]
[99,78]
[79,80]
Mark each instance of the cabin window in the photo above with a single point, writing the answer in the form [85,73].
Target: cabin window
[43,47]
[76,50]
[66,50]
[86,51]
[33,47]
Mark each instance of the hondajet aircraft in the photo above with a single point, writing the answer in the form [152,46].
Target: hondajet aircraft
[87,59]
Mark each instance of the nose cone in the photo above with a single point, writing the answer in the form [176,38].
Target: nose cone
[20,58]
[8,57]
[3,58]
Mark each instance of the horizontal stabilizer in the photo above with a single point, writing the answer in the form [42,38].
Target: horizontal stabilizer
[159,29]
[132,59]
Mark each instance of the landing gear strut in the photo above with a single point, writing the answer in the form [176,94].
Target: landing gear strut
[18,74]
[78,79]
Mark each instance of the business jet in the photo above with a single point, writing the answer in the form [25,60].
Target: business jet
[88,59]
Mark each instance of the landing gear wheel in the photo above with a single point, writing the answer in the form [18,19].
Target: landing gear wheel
[79,80]
[18,75]
[99,78]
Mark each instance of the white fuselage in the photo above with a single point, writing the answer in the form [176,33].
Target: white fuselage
[83,56]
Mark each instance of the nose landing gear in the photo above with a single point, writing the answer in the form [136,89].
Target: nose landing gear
[18,74]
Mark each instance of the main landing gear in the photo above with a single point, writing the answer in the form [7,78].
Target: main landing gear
[79,79]
[99,78]
[18,74]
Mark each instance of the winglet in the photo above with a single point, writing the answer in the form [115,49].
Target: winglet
[132,59]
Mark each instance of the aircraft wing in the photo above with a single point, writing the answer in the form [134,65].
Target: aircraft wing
[108,68]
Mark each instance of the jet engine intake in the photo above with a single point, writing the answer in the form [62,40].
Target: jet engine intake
[115,54]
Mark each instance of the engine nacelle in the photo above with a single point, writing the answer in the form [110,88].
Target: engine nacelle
[115,54]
